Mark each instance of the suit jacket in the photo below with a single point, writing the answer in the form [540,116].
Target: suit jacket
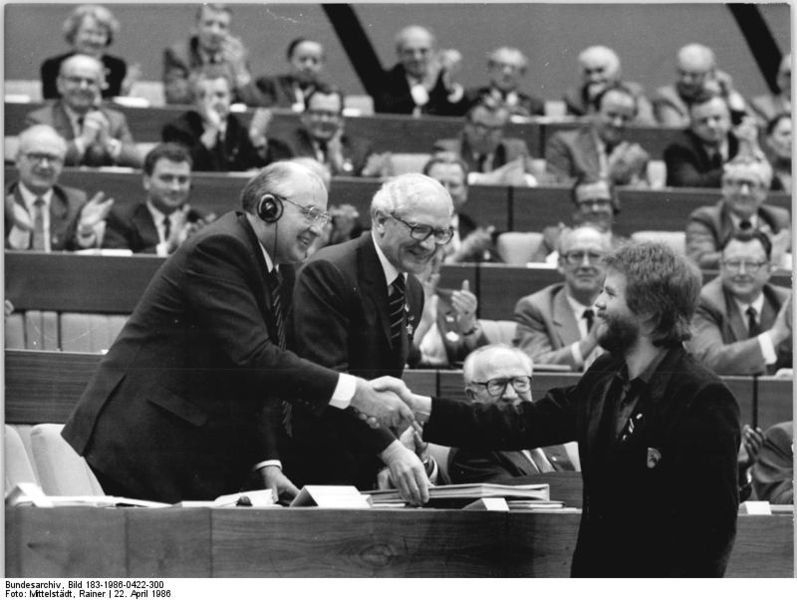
[527,106]
[356,151]
[576,103]
[54,114]
[238,153]
[474,466]
[720,339]
[688,164]
[773,471]
[394,96]
[547,327]
[667,101]
[182,406]
[65,208]
[572,154]
[277,91]
[552,233]
[341,320]
[115,72]
[709,227]
[131,226]
[660,502]
[508,150]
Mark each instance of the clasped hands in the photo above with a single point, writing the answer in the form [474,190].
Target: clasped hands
[385,402]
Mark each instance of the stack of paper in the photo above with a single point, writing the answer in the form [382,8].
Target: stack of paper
[460,494]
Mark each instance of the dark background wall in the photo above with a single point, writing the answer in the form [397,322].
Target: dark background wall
[645,36]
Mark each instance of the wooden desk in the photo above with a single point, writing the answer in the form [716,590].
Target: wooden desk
[310,542]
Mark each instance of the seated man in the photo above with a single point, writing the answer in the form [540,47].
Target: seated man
[600,67]
[471,242]
[773,471]
[96,136]
[745,184]
[165,219]
[505,68]
[321,135]
[215,138]
[696,158]
[492,159]
[500,373]
[555,324]
[42,215]
[696,73]
[767,106]
[292,89]
[213,44]
[422,82]
[600,149]
[596,203]
[743,323]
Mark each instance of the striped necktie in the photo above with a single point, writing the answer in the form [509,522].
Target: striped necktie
[396,301]
[39,235]
[275,285]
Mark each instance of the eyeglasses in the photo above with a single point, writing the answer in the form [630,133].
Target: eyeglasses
[42,156]
[313,214]
[442,235]
[738,183]
[482,128]
[322,114]
[75,80]
[576,257]
[496,387]
[750,266]
[595,202]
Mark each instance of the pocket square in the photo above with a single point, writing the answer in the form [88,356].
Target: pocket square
[654,456]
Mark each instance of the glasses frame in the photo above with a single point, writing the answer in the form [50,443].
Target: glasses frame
[502,382]
[750,266]
[585,254]
[436,231]
[38,157]
[312,214]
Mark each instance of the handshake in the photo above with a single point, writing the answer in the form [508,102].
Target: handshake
[388,402]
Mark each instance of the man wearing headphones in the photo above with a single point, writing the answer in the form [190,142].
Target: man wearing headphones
[356,309]
[185,404]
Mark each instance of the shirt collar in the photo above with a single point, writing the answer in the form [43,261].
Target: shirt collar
[646,375]
[736,220]
[390,271]
[576,306]
[28,197]
[757,304]
[269,263]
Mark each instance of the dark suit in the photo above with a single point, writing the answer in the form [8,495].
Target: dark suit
[709,227]
[115,72]
[131,226]
[65,207]
[474,466]
[773,471]
[394,96]
[236,153]
[54,114]
[277,91]
[526,106]
[577,103]
[178,408]
[689,165]
[355,150]
[721,340]
[508,150]
[340,320]
[661,502]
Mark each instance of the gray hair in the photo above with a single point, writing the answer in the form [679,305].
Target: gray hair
[40,130]
[405,190]
[480,355]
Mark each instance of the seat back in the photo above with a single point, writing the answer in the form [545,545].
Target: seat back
[676,240]
[41,330]
[18,466]
[407,162]
[517,247]
[89,332]
[498,332]
[15,331]
[62,472]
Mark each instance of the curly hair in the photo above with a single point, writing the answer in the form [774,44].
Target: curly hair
[102,15]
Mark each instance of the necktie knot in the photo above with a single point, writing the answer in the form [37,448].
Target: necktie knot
[167,227]
[752,321]
[39,241]
[745,225]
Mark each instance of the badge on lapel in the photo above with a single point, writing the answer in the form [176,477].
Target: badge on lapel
[654,456]
[410,321]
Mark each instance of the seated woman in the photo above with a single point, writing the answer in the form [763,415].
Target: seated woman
[778,146]
[90,29]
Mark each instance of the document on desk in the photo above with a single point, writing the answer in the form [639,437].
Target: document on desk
[470,491]
[30,493]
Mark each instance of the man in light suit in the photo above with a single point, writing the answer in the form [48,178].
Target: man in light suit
[743,323]
[165,219]
[502,374]
[42,215]
[506,67]
[599,149]
[97,136]
[321,135]
[658,434]
[357,305]
[556,324]
[184,406]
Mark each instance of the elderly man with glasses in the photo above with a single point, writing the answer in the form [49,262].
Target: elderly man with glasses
[500,373]
[357,305]
[745,184]
[555,324]
[743,323]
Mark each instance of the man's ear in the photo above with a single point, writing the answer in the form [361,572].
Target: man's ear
[470,394]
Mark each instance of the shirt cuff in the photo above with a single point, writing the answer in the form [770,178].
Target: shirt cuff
[344,391]
[575,349]
[456,93]
[393,449]
[162,249]
[767,348]
[268,463]
[114,148]
[18,239]
[419,94]
[80,145]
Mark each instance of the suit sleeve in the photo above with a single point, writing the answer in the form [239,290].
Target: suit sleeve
[532,337]
[49,73]
[773,473]
[701,244]
[129,156]
[323,296]
[558,159]
[683,172]
[736,358]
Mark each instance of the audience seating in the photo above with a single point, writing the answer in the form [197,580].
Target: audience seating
[517,247]
[407,162]
[62,472]
[18,466]
[674,239]
[498,332]
[82,332]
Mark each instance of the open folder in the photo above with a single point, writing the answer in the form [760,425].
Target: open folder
[458,495]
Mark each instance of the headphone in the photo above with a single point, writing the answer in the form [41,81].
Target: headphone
[270,208]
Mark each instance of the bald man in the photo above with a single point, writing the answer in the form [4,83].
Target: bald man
[422,82]
[696,69]
[600,67]
[506,68]
[97,136]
